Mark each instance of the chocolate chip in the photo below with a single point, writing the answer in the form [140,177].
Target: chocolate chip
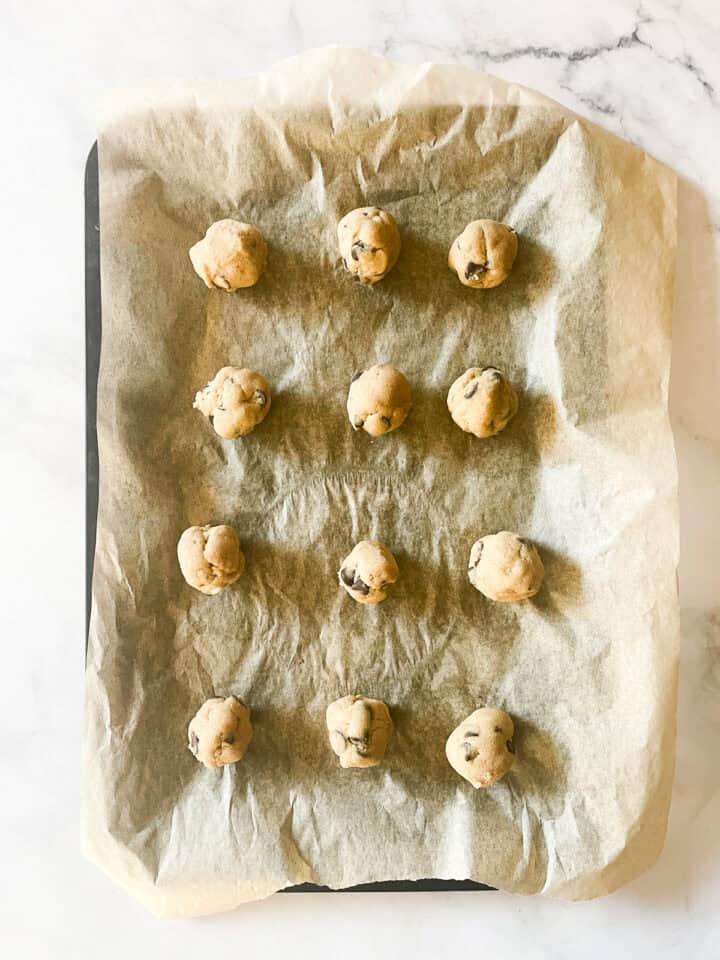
[472,391]
[194,742]
[355,376]
[347,576]
[471,733]
[260,398]
[359,586]
[498,729]
[510,745]
[473,270]
[469,749]
[361,744]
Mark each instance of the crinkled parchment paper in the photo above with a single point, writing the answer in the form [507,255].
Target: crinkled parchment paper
[586,469]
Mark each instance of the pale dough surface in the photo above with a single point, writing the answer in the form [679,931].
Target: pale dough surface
[483,254]
[235,401]
[505,567]
[367,571]
[369,242]
[210,557]
[481,748]
[220,731]
[379,399]
[482,401]
[359,729]
[231,255]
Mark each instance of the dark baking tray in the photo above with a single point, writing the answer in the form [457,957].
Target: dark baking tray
[93,337]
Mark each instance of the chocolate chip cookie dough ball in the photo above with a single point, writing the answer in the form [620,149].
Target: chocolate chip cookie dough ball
[505,567]
[220,731]
[481,748]
[231,255]
[359,730]
[210,558]
[482,401]
[379,400]
[235,401]
[483,254]
[369,242]
[367,571]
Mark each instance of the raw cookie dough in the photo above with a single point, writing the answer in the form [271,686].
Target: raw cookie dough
[235,401]
[210,557]
[505,567]
[483,254]
[378,400]
[231,255]
[481,748]
[482,401]
[367,570]
[359,730]
[369,242]
[220,731]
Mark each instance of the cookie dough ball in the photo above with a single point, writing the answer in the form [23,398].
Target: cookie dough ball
[220,731]
[482,401]
[235,401]
[505,567]
[231,255]
[210,558]
[369,242]
[359,730]
[367,570]
[483,254]
[379,400]
[481,748]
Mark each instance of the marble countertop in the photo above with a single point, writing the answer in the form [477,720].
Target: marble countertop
[649,71]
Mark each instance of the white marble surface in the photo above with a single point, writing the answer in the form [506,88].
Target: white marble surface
[648,71]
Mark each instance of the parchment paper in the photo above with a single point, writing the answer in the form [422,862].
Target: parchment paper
[586,469]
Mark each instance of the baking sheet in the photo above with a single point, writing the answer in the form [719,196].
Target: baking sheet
[586,469]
